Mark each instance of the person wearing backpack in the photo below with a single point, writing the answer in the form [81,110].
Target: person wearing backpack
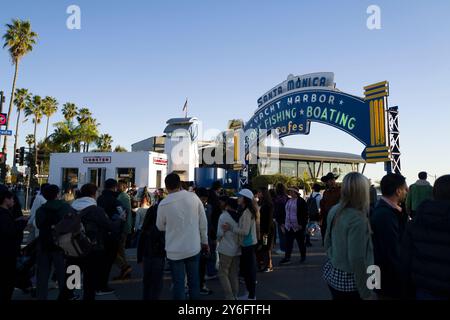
[108,201]
[48,254]
[313,205]
[96,225]
[151,254]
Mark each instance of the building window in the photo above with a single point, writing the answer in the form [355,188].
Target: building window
[127,174]
[303,170]
[326,168]
[158,179]
[289,168]
[268,166]
[70,178]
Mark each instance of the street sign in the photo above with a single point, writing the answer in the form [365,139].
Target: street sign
[41,176]
[5,133]
[3,119]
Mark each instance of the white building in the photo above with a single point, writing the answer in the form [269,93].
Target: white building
[76,169]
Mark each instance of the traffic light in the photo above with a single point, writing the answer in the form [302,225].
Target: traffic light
[17,156]
[40,155]
[22,156]
[2,157]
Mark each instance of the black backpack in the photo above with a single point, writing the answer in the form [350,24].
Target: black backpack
[69,234]
[313,210]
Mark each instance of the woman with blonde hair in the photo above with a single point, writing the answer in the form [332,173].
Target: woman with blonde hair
[348,241]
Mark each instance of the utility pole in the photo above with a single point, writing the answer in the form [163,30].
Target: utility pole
[3,164]
[2,101]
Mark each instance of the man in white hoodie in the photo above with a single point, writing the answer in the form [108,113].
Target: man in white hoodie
[182,216]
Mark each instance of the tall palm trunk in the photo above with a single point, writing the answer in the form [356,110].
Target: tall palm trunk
[16,136]
[46,129]
[35,146]
[5,149]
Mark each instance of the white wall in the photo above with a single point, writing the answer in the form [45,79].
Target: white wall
[141,161]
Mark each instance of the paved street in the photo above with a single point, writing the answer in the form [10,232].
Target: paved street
[293,282]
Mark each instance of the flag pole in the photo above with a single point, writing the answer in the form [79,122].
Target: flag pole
[186,109]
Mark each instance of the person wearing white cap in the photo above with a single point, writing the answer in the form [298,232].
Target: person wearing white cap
[246,231]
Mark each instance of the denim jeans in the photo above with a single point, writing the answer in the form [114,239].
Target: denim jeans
[281,237]
[211,262]
[180,268]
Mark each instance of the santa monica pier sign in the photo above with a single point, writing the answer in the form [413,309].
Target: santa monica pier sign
[290,107]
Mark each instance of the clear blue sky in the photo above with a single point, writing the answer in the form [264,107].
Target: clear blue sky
[134,63]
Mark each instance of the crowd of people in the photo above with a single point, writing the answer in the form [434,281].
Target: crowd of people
[200,234]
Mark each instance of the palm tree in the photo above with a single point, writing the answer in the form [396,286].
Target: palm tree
[90,133]
[35,109]
[69,112]
[120,149]
[50,106]
[29,140]
[61,139]
[19,38]
[84,115]
[22,98]
[104,143]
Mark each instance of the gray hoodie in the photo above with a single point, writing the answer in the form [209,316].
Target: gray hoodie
[228,241]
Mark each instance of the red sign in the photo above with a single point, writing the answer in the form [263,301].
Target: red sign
[3,119]
[160,161]
[96,159]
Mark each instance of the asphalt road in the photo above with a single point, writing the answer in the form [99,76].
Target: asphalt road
[298,281]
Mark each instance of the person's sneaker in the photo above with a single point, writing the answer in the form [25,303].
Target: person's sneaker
[104,292]
[285,261]
[211,277]
[266,270]
[205,291]
[279,252]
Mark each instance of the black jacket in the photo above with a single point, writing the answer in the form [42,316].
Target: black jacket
[152,241]
[388,225]
[266,219]
[426,248]
[47,216]
[302,213]
[216,211]
[97,225]
[10,236]
[279,204]
[108,201]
